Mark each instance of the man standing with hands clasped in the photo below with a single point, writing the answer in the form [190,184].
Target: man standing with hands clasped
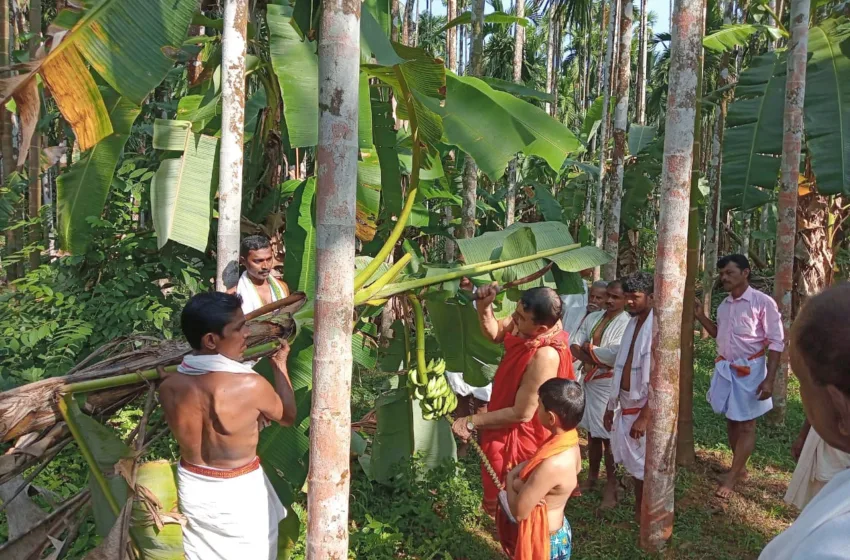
[748,327]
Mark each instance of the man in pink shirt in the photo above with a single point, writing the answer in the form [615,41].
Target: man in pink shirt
[750,342]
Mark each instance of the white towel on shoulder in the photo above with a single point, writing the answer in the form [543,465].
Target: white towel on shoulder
[199,364]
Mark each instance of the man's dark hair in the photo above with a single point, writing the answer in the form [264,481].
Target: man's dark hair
[253,243]
[615,284]
[544,305]
[639,282]
[820,334]
[740,261]
[208,313]
[565,398]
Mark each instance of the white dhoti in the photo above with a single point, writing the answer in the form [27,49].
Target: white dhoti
[819,462]
[228,518]
[597,391]
[628,451]
[734,388]
[464,389]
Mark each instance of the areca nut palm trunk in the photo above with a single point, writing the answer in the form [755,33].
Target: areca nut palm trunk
[233,50]
[336,200]
[470,169]
[640,110]
[519,45]
[657,512]
[6,134]
[786,226]
[407,24]
[614,190]
[551,45]
[451,36]
[603,127]
[34,171]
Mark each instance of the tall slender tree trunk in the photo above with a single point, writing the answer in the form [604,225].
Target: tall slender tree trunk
[336,155]
[415,39]
[786,225]
[656,525]
[640,112]
[685,452]
[603,129]
[394,20]
[36,231]
[519,45]
[470,169]
[614,191]
[6,132]
[745,235]
[551,45]
[451,37]
[234,45]
[407,24]
[603,44]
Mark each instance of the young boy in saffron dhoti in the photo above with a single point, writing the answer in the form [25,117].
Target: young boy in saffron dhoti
[627,415]
[748,327]
[820,358]
[257,286]
[596,345]
[538,489]
[213,405]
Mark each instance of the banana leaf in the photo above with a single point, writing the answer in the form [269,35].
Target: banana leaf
[731,35]
[82,189]
[752,144]
[827,105]
[640,137]
[300,239]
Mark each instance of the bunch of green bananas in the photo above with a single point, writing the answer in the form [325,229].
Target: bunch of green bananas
[432,390]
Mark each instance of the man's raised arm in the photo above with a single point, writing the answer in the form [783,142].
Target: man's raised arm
[492,328]
[709,325]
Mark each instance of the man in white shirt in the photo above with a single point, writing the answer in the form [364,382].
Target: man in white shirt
[574,317]
[257,286]
[819,358]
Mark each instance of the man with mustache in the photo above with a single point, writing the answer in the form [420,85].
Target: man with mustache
[627,415]
[575,317]
[748,327]
[257,286]
[596,345]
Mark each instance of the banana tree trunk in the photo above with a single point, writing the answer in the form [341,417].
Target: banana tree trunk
[36,231]
[656,525]
[519,45]
[640,112]
[603,129]
[234,45]
[786,225]
[614,190]
[336,196]
[470,169]
[685,454]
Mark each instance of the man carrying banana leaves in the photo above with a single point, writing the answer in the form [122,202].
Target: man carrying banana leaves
[536,350]
[213,406]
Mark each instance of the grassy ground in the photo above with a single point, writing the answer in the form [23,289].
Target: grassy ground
[414,523]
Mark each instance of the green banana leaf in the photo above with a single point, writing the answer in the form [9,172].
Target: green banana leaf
[640,137]
[548,204]
[500,18]
[182,189]
[160,478]
[375,43]
[519,243]
[753,138]
[592,120]
[462,344]
[124,42]
[402,432]
[300,239]
[731,35]
[82,189]
[517,89]
[384,135]
[827,105]
[296,65]
[368,195]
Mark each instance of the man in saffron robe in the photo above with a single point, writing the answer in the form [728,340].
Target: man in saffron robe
[539,488]
[536,350]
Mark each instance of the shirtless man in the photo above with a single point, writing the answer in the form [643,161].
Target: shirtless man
[748,327]
[213,406]
[538,489]
[536,350]
[627,415]
[257,286]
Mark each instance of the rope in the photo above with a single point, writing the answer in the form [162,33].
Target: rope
[484,461]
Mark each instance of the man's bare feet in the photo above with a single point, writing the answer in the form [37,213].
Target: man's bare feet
[609,494]
[726,487]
